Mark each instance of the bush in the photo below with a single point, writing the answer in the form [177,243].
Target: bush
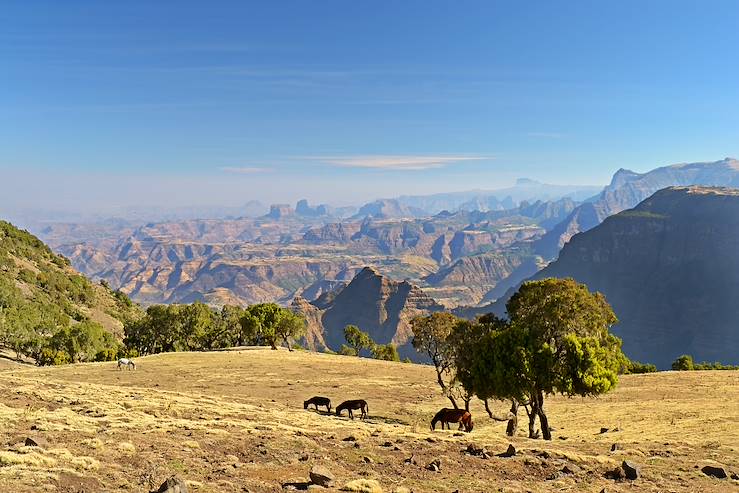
[637,367]
[387,352]
[347,351]
[683,363]
[49,356]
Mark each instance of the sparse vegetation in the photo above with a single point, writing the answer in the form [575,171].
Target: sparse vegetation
[357,340]
[686,363]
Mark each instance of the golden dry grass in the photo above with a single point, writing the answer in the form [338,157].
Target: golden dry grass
[233,421]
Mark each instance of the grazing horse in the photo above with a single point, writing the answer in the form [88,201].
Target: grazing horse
[446,416]
[318,401]
[353,405]
[127,363]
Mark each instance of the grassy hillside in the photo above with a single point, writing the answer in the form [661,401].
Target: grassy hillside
[41,294]
[233,421]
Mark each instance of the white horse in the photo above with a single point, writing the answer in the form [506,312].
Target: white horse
[127,363]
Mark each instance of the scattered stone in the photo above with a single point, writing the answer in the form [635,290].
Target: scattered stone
[631,470]
[615,447]
[396,448]
[303,458]
[172,485]
[603,430]
[510,451]
[363,486]
[434,465]
[367,460]
[35,442]
[714,471]
[321,476]
[431,440]
[562,438]
[387,444]
[357,445]
[350,438]
[459,434]
[473,449]
[616,474]
[571,469]
[734,476]
[410,460]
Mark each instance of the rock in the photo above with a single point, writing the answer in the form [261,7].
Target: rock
[434,465]
[571,469]
[303,458]
[459,434]
[357,445]
[510,452]
[35,442]
[431,440]
[477,451]
[631,470]
[616,474]
[363,486]
[734,476]
[387,444]
[172,485]
[714,471]
[410,460]
[604,430]
[367,460]
[321,476]
[615,447]
[350,438]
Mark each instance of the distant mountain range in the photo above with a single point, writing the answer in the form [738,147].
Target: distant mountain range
[628,188]
[670,269]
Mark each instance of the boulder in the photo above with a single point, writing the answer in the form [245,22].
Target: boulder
[631,470]
[434,465]
[714,471]
[172,485]
[321,476]
[35,442]
[510,451]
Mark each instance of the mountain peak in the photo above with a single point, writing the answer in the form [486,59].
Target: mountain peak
[526,182]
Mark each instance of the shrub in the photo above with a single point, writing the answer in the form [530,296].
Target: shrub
[387,352]
[683,363]
[638,367]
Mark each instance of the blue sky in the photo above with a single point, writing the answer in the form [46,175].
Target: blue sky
[190,102]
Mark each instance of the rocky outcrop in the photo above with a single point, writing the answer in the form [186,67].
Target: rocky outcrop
[378,305]
[280,211]
[670,269]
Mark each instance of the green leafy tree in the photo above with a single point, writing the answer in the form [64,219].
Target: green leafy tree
[431,336]
[290,326]
[683,363]
[196,324]
[557,342]
[387,352]
[357,339]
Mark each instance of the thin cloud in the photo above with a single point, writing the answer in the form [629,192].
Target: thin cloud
[395,162]
[244,170]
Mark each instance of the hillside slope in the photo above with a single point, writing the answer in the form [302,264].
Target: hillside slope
[40,292]
[670,269]
[233,421]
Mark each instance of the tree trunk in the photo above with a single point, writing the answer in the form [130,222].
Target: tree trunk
[513,422]
[454,403]
[543,421]
[467,403]
[287,343]
[532,419]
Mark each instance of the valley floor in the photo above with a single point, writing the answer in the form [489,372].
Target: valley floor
[233,421]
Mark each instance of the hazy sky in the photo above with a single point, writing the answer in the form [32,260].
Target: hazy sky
[194,102]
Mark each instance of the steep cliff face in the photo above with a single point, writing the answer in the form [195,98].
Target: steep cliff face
[670,269]
[628,188]
[376,304]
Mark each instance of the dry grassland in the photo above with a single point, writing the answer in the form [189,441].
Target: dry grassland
[233,422]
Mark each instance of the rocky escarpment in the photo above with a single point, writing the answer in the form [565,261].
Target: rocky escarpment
[628,188]
[378,305]
[670,269]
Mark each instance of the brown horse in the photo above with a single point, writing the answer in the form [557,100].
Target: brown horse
[318,401]
[446,416]
[353,405]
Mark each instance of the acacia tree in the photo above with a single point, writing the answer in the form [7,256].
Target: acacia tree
[290,325]
[557,342]
[357,339]
[431,335]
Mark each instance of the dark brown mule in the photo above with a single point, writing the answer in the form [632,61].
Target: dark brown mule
[318,401]
[353,405]
[446,416]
